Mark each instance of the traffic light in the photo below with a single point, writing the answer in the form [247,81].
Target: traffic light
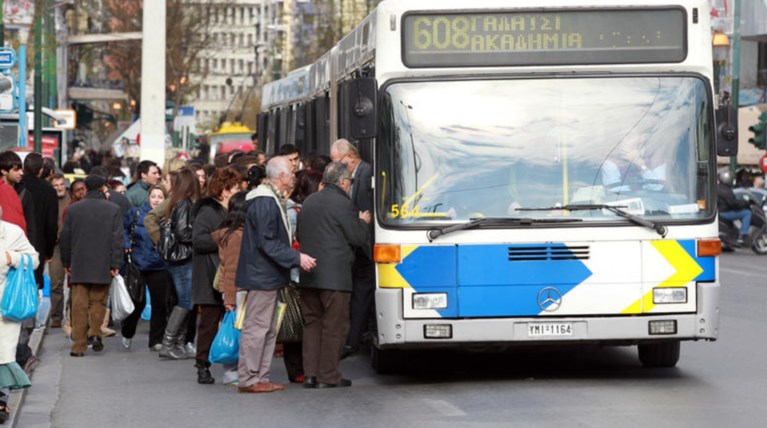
[759,140]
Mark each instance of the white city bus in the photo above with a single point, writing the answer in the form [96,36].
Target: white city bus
[544,171]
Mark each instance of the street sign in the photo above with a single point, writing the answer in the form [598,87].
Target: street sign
[7,58]
[67,119]
[763,164]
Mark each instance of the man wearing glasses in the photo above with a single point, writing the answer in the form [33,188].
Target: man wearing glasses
[363,269]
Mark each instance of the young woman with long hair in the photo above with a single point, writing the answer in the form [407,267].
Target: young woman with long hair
[186,191]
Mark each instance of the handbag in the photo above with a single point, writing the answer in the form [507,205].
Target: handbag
[167,246]
[134,281]
[20,295]
[291,329]
[225,348]
[122,305]
[217,280]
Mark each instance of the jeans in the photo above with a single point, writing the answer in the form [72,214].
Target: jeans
[182,280]
[744,215]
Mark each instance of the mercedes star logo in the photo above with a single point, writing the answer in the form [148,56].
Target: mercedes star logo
[549,299]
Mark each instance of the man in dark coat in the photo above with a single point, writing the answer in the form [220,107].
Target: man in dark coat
[363,269]
[266,257]
[91,252]
[330,229]
[45,213]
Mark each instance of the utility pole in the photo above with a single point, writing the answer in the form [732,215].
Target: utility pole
[735,98]
[153,82]
[2,23]
[38,119]
[50,55]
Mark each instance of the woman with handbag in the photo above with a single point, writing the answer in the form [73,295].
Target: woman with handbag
[208,214]
[13,245]
[152,271]
[176,248]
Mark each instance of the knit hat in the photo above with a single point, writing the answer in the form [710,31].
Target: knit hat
[94,182]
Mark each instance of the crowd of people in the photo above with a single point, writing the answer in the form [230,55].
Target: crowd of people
[240,235]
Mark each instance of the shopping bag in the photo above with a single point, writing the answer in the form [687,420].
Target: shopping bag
[122,305]
[20,295]
[291,329]
[226,346]
[147,313]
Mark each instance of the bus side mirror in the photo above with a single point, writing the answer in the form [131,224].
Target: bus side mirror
[361,97]
[726,131]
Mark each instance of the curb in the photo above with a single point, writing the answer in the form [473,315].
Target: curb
[16,399]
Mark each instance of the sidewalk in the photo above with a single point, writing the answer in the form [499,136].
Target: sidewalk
[17,398]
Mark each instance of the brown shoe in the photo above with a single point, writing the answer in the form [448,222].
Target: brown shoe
[55,323]
[277,387]
[258,387]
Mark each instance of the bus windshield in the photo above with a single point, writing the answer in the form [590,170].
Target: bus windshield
[452,151]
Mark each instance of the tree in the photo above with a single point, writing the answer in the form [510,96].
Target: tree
[188,37]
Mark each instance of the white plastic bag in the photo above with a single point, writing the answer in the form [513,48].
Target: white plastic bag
[122,305]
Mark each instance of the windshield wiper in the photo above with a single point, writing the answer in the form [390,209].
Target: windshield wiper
[658,228]
[433,234]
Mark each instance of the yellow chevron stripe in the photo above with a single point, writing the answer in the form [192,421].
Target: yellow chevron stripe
[686,270]
[389,276]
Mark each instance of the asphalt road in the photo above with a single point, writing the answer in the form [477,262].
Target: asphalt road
[715,384]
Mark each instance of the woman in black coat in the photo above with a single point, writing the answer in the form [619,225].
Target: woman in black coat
[186,190]
[208,214]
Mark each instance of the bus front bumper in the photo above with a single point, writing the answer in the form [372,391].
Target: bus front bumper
[394,331]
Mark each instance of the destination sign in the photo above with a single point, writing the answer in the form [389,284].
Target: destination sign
[565,37]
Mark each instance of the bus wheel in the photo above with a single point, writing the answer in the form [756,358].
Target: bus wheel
[386,361]
[665,354]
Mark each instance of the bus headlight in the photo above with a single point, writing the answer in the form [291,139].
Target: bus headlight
[669,295]
[430,301]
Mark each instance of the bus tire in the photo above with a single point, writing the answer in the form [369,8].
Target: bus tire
[386,361]
[664,354]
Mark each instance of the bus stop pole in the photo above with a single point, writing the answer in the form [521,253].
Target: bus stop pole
[735,98]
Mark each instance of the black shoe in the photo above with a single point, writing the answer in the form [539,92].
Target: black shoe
[310,382]
[203,375]
[29,365]
[343,384]
[744,241]
[77,354]
[349,351]
[97,344]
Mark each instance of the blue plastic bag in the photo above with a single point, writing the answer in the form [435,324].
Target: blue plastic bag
[20,294]
[146,314]
[226,346]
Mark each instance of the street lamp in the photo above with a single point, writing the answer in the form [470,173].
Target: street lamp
[721,52]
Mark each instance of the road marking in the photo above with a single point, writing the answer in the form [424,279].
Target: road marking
[741,272]
[445,408]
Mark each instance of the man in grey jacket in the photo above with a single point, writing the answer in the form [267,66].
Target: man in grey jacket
[91,252]
[330,228]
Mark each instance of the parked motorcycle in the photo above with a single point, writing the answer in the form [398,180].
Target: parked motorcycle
[729,231]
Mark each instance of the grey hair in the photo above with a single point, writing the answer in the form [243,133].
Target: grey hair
[334,172]
[344,147]
[276,166]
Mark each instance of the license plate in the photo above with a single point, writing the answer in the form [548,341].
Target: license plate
[550,329]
